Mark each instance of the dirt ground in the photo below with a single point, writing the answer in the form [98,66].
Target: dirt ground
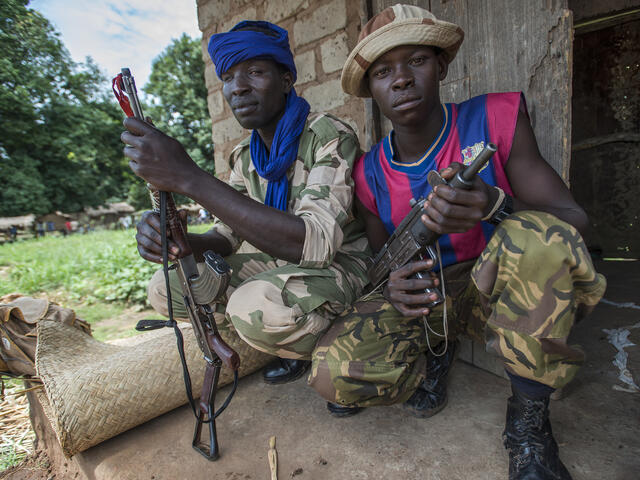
[35,467]
[122,325]
[595,424]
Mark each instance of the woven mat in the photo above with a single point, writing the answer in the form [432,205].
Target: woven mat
[96,390]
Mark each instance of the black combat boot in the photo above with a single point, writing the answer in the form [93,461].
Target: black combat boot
[284,370]
[431,395]
[338,410]
[533,452]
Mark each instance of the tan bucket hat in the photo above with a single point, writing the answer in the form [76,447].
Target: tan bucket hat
[395,26]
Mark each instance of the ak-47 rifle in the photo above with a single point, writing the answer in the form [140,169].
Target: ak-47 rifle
[412,238]
[199,290]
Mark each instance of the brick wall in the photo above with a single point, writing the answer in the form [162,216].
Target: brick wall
[321,34]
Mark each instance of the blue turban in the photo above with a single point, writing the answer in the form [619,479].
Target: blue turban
[230,48]
[227,49]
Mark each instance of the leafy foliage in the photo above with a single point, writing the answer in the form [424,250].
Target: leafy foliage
[177,97]
[59,128]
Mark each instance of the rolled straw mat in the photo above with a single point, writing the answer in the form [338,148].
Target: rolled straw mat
[97,390]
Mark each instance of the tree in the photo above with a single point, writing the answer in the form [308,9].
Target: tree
[59,127]
[32,62]
[178,97]
[86,166]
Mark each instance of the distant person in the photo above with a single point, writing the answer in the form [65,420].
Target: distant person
[13,233]
[125,222]
[40,228]
[203,215]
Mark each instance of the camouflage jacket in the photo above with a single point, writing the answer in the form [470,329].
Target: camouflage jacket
[320,192]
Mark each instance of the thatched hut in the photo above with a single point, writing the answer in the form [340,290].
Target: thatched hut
[110,213]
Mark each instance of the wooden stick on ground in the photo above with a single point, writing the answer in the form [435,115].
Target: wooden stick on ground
[273,458]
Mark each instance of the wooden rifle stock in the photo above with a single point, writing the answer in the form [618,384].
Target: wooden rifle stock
[227,354]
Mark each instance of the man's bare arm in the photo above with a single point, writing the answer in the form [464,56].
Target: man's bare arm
[210,240]
[272,231]
[535,184]
[163,162]
[149,239]
[376,233]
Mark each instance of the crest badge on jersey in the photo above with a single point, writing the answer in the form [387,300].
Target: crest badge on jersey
[471,152]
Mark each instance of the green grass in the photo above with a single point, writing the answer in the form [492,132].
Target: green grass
[10,456]
[101,266]
[100,274]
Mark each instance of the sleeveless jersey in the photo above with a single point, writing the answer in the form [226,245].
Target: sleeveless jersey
[386,186]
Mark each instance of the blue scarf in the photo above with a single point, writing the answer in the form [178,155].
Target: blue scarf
[230,48]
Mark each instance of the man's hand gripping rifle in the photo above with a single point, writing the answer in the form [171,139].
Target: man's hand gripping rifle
[199,290]
[412,238]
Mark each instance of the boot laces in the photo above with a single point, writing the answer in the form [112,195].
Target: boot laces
[529,438]
[438,369]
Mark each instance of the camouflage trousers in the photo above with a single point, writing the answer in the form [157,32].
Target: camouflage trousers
[521,297]
[274,306]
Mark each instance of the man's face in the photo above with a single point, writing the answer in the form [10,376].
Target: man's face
[255,90]
[405,81]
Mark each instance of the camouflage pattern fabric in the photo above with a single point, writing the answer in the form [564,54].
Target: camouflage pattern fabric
[535,277]
[522,297]
[274,306]
[373,355]
[321,193]
[278,307]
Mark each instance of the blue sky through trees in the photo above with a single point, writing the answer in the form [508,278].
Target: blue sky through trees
[120,33]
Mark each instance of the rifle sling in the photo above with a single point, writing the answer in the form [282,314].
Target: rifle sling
[204,414]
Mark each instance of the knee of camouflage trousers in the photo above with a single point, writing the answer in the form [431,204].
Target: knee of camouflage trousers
[372,355]
[533,276]
[280,310]
[265,321]
[157,294]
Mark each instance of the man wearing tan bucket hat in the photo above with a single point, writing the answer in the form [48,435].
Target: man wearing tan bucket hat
[515,268]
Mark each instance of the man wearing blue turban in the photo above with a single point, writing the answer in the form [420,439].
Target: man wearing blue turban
[289,196]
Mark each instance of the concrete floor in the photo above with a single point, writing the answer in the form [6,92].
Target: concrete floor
[596,426]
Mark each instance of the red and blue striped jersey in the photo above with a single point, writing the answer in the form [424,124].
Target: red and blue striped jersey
[385,186]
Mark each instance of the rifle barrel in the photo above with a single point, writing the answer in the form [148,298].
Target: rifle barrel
[478,162]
